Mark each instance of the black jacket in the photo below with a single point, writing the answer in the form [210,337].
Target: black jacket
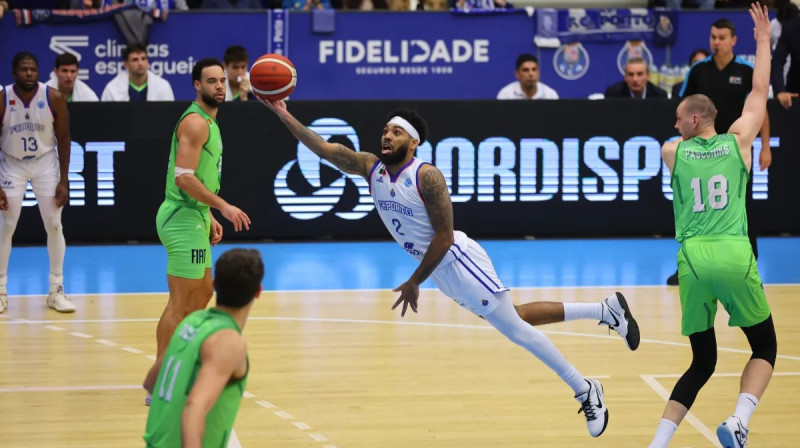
[788,44]
[621,90]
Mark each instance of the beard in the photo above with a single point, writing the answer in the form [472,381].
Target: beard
[210,100]
[395,156]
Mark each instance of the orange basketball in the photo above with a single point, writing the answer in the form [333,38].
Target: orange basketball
[273,77]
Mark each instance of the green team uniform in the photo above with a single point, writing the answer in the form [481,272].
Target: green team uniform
[716,260]
[179,369]
[183,222]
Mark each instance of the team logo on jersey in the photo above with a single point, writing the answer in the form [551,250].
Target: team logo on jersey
[735,80]
[485,302]
[379,179]
[408,182]
[27,116]
[40,104]
[571,61]
[12,102]
[392,192]
[409,247]
[13,109]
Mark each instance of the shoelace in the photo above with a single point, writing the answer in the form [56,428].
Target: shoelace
[741,435]
[588,410]
[603,322]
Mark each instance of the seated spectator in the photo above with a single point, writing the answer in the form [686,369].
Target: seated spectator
[636,83]
[481,5]
[4,6]
[697,56]
[65,80]
[137,83]
[527,85]
[237,84]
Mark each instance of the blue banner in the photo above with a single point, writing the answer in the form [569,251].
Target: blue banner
[377,55]
[596,25]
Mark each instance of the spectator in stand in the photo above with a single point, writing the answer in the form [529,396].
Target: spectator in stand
[697,56]
[527,85]
[786,80]
[237,84]
[636,84]
[137,83]
[65,79]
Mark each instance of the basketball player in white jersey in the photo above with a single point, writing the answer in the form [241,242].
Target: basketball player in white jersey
[412,199]
[34,146]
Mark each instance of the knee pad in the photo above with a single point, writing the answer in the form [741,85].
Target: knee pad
[704,361]
[763,341]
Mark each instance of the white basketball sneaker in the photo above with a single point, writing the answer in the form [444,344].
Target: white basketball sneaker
[58,301]
[732,434]
[3,302]
[593,406]
[618,317]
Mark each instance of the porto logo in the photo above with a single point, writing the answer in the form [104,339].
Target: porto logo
[309,187]
[633,49]
[571,61]
[664,28]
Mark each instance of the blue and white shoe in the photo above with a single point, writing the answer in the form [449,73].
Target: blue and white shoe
[732,434]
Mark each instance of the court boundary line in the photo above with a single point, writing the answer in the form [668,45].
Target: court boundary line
[661,391]
[690,418]
[21,321]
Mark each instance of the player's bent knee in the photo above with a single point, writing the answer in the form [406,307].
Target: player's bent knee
[763,341]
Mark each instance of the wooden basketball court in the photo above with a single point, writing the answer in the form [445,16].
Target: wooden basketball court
[340,369]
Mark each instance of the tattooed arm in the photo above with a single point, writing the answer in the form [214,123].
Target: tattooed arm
[341,156]
[440,213]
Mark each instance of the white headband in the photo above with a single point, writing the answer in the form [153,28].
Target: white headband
[403,123]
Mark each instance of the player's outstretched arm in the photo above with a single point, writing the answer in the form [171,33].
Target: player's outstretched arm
[755,107]
[341,156]
[223,358]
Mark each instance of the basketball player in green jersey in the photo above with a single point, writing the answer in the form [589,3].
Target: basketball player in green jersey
[716,262]
[198,384]
[185,224]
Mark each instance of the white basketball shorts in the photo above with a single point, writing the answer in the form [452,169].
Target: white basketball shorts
[43,172]
[470,280]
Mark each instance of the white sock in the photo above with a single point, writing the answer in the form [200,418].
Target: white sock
[666,428]
[576,311]
[745,406]
[507,321]
[233,441]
